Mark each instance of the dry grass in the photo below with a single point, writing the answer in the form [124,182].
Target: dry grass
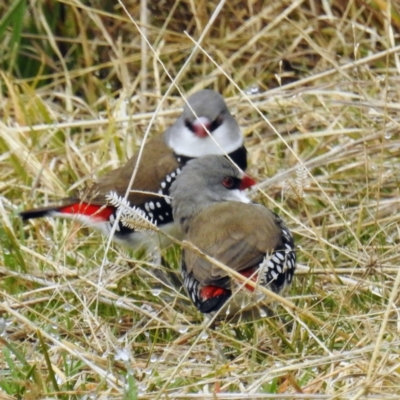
[81,321]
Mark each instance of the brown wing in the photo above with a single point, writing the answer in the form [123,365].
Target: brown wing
[156,162]
[237,234]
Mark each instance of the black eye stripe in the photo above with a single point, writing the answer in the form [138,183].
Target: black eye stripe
[213,126]
[231,182]
[216,123]
[188,125]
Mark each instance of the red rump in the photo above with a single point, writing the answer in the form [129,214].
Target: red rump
[250,273]
[91,210]
[208,292]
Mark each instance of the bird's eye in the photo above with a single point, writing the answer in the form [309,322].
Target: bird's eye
[216,123]
[228,182]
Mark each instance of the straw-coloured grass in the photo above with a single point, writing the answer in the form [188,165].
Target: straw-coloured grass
[314,86]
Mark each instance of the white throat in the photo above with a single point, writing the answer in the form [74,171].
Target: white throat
[239,195]
[221,142]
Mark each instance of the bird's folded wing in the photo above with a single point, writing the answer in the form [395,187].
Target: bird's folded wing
[237,234]
[157,161]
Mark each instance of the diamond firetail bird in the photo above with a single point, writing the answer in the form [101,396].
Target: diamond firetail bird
[205,127]
[214,214]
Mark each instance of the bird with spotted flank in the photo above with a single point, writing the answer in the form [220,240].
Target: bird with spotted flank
[205,127]
[214,215]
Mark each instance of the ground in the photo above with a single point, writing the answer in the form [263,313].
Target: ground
[315,89]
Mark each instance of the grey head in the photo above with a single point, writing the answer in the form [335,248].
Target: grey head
[203,182]
[208,109]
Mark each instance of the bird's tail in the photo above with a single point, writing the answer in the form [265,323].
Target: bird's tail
[100,212]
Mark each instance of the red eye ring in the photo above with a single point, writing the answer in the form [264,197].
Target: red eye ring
[228,182]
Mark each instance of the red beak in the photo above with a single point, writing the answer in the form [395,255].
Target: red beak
[200,126]
[246,182]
